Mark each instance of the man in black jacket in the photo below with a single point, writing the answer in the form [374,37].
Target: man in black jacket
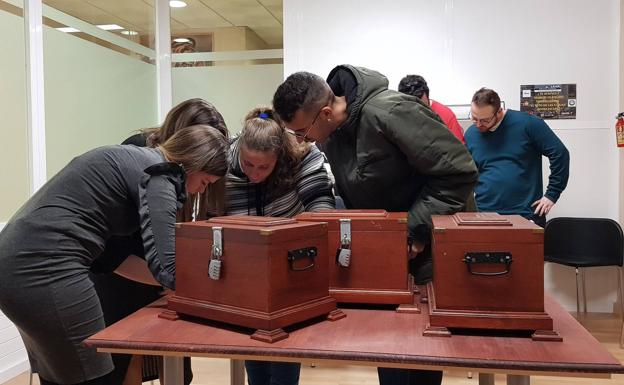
[387,150]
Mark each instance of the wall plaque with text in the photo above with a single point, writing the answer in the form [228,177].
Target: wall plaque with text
[549,101]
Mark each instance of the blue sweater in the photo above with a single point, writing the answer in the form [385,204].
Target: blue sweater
[510,164]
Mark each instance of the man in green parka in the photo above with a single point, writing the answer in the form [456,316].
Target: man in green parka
[387,150]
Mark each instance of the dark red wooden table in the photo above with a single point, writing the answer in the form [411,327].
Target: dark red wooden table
[365,337]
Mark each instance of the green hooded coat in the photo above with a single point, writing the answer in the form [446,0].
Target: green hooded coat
[394,153]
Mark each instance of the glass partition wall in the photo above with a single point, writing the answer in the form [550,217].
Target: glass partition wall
[229,53]
[100,76]
[14,158]
[14,169]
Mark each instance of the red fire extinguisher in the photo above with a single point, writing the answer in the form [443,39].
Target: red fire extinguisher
[619,129]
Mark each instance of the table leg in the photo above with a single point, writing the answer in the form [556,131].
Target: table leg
[486,378]
[173,370]
[513,379]
[237,372]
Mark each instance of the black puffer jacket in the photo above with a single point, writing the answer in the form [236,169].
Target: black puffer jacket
[393,152]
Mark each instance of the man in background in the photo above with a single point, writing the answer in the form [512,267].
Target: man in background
[416,85]
[507,147]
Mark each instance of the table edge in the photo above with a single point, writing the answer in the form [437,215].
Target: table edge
[353,357]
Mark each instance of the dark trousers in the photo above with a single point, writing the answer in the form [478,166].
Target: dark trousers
[538,220]
[272,373]
[392,376]
[104,380]
[119,298]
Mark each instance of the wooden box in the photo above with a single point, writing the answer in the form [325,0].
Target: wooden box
[377,272]
[274,273]
[488,273]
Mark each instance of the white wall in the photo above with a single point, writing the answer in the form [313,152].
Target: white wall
[13,358]
[462,45]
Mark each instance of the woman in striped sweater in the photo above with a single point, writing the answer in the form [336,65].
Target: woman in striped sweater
[273,175]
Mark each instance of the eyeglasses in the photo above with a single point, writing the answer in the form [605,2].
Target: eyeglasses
[304,136]
[298,133]
[482,121]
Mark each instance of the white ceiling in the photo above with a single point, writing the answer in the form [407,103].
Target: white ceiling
[262,16]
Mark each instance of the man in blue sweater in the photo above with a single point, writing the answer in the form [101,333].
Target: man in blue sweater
[507,147]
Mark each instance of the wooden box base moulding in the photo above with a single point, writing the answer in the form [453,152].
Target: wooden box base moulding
[488,273]
[269,325]
[368,257]
[261,273]
[540,322]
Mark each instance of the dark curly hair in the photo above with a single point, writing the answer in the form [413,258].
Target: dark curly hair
[414,85]
[301,90]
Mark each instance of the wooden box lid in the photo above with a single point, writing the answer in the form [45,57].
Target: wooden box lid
[250,220]
[252,229]
[485,227]
[361,220]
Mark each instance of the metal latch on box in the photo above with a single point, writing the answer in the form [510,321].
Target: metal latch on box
[343,254]
[214,267]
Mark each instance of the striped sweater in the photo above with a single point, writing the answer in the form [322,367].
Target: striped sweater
[312,190]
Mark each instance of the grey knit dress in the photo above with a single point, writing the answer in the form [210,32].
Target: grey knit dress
[46,250]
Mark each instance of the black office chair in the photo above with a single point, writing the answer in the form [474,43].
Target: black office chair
[586,242]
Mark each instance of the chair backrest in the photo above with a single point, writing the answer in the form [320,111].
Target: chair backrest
[584,242]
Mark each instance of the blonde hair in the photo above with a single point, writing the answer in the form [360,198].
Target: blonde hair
[192,112]
[198,149]
[201,148]
[263,131]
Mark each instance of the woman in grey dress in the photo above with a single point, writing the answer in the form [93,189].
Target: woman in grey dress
[120,296]
[48,246]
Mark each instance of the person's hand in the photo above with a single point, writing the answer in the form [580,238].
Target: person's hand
[414,249]
[542,206]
